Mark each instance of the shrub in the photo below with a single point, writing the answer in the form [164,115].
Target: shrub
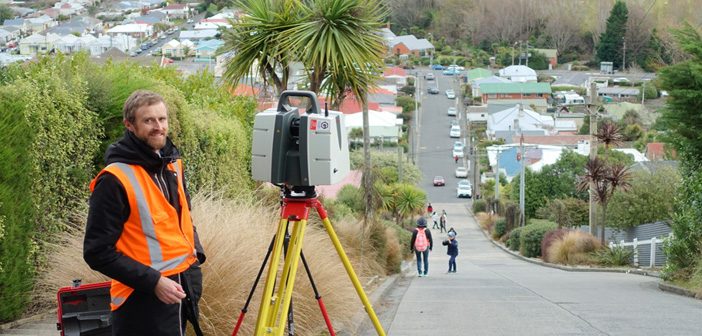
[479,206]
[500,228]
[531,236]
[514,240]
[352,197]
[550,238]
[572,247]
[486,221]
[615,256]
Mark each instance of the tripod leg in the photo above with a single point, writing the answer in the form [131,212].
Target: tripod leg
[253,289]
[349,268]
[287,283]
[317,296]
[267,300]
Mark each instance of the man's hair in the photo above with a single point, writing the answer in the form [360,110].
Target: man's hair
[138,99]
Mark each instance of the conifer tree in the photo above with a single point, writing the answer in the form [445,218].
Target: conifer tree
[611,44]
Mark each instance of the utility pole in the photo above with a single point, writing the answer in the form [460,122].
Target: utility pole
[643,92]
[624,57]
[522,176]
[526,53]
[399,155]
[497,179]
[592,109]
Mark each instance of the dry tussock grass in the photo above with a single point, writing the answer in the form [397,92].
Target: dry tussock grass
[573,248]
[236,236]
[486,220]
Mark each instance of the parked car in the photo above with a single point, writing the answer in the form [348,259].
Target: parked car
[439,181]
[450,94]
[455,131]
[451,72]
[461,172]
[456,67]
[453,122]
[433,90]
[437,67]
[458,145]
[451,111]
[464,189]
[457,153]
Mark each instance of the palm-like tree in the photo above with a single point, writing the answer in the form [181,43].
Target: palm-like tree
[402,201]
[610,134]
[255,41]
[339,43]
[607,179]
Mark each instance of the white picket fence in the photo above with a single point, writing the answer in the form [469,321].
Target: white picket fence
[635,244]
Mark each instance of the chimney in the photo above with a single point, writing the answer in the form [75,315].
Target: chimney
[521,110]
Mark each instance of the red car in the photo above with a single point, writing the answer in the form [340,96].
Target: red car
[439,181]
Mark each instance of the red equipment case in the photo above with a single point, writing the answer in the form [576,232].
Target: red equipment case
[84,310]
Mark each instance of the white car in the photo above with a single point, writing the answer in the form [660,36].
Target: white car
[455,131]
[464,189]
[430,76]
[454,122]
[458,145]
[451,111]
[457,153]
[450,94]
[461,172]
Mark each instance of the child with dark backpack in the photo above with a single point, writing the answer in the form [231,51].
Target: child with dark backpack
[421,244]
[452,250]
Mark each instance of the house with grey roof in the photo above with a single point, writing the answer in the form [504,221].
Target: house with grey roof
[41,24]
[387,34]
[22,11]
[410,45]
[78,25]
[519,73]
[619,93]
[152,18]
[198,35]
[21,24]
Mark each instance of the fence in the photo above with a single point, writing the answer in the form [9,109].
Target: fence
[639,238]
[655,256]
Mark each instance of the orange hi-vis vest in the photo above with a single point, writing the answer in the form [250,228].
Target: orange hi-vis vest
[153,234]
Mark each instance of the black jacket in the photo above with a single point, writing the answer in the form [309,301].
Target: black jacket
[109,210]
[414,237]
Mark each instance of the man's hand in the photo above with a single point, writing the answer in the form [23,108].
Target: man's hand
[169,291]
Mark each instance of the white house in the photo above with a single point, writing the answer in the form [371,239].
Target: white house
[70,43]
[42,23]
[506,123]
[123,42]
[177,10]
[385,125]
[38,44]
[138,30]
[518,73]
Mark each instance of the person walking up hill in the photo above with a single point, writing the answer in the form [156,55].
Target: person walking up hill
[421,244]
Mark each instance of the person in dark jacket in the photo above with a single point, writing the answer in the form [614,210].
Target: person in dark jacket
[421,247]
[451,250]
[139,216]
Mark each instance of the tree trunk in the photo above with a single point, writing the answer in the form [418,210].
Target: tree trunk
[602,225]
[367,192]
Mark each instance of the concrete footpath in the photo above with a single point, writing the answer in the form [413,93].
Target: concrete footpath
[496,293]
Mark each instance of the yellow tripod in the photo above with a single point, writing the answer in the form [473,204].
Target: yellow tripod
[273,313]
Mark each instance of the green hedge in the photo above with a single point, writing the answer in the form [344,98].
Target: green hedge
[479,206]
[514,240]
[57,116]
[500,228]
[532,235]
